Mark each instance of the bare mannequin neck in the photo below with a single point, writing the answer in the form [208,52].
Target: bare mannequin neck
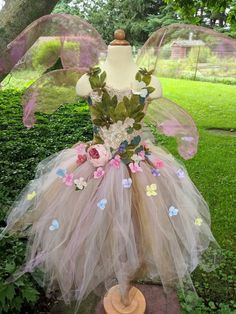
[119,58]
[119,61]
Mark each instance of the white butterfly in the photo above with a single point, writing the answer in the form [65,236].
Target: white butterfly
[80,183]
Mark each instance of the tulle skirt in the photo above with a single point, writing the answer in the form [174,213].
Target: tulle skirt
[154,226]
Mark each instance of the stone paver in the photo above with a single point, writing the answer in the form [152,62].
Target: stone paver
[157,302]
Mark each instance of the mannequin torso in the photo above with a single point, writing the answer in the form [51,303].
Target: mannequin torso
[121,70]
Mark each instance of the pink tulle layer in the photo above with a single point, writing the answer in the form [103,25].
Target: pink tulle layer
[157,227]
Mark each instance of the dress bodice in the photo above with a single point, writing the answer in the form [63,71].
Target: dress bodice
[119,93]
[117,115]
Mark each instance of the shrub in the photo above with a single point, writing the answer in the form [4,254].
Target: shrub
[20,152]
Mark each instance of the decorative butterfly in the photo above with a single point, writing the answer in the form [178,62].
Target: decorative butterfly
[127,183]
[80,183]
[180,173]
[158,163]
[30,196]
[102,203]
[134,167]
[155,172]
[151,190]
[173,211]
[98,173]
[198,221]
[61,172]
[68,179]
[55,225]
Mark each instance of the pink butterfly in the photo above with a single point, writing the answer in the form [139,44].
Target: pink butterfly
[68,179]
[134,167]
[158,163]
[99,173]
[115,162]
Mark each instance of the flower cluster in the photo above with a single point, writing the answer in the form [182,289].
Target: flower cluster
[116,133]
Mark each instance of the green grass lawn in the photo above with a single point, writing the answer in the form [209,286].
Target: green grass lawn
[211,105]
[212,170]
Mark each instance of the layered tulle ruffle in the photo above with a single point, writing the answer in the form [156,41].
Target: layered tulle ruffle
[119,226]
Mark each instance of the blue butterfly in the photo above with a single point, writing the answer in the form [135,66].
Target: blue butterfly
[54,225]
[60,172]
[173,211]
[102,203]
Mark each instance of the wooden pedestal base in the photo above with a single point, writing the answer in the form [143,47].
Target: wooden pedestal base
[113,305]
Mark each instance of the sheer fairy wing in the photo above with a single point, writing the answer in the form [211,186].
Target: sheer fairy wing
[53,41]
[185,51]
[189,51]
[49,92]
[171,120]
[54,36]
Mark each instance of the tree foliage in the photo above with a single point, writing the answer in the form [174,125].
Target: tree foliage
[18,14]
[210,12]
[139,18]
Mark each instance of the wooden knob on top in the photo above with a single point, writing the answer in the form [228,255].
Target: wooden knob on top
[119,40]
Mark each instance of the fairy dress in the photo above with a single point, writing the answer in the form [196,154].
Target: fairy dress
[115,209]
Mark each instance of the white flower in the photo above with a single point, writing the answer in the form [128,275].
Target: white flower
[80,183]
[117,133]
[139,88]
[136,158]
[129,122]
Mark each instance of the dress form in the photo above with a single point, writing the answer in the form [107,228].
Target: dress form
[120,69]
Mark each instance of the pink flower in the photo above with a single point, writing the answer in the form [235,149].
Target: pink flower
[99,173]
[81,159]
[93,153]
[98,155]
[134,167]
[158,163]
[144,144]
[81,149]
[142,155]
[68,179]
[115,162]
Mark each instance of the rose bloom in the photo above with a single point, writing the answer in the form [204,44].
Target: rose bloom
[98,155]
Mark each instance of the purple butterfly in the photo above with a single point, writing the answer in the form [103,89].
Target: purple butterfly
[127,183]
[155,172]
[180,173]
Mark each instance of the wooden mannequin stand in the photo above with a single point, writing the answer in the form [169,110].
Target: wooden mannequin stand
[113,304]
[120,69]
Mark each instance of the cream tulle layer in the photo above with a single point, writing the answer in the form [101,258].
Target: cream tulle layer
[133,236]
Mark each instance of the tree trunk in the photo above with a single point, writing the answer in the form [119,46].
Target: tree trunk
[16,15]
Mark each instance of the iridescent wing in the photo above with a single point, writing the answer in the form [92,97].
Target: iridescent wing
[63,41]
[189,51]
[185,51]
[171,120]
[49,92]
[50,37]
